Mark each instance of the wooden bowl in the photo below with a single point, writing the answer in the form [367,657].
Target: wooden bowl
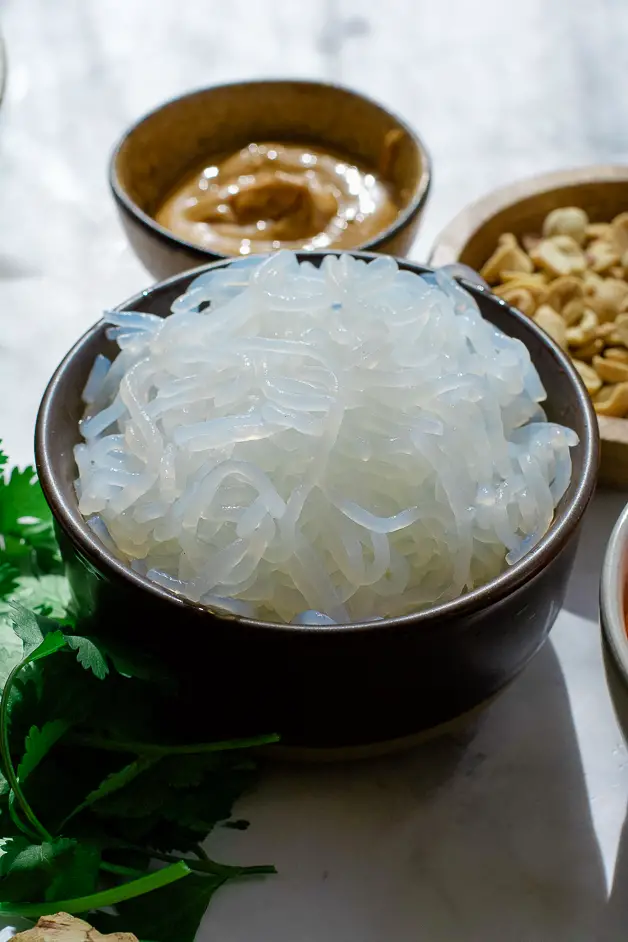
[161,148]
[602,191]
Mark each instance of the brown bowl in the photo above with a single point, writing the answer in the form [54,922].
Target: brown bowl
[340,687]
[471,237]
[165,145]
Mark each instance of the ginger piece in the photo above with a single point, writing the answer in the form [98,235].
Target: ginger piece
[64,928]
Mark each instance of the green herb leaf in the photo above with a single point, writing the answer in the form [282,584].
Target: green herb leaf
[112,897]
[52,643]
[89,655]
[113,783]
[36,856]
[26,531]
[79,874]
[26,627]
[8,579]
[38,743]
[175,919]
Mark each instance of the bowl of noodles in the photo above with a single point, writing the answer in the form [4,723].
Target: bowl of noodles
[338,492]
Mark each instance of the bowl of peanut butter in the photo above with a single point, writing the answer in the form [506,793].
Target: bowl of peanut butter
[255,167]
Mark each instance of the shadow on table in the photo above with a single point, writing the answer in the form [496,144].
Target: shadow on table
[483,837]
[584,587]
[614,924]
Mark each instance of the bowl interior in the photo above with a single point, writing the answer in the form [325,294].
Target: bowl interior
[567,403]
[167,144]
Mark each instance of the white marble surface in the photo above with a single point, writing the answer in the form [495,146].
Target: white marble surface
[515,832]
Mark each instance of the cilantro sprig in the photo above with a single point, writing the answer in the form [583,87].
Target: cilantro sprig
[97,810]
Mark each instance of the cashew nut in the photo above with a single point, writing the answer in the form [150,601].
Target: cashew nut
[589,350]
[619,233]
[612,400]
[506,257]
[520,298]
[584,332]
[589,377]
[608,299]
[564,291]
[616,353]
[620,332]
[530,242]
[553,324]
[560,255]
[610,371]
[569,221]
[572,312]
[598,230]
[601,255]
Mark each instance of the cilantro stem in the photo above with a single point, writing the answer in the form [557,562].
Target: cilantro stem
[117,894]
[153,749]
[206,865]
[5,752]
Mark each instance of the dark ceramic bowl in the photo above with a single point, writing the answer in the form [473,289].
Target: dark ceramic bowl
[341,687]
[164,146]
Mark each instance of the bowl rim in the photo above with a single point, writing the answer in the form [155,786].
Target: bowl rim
[124,201]
[612,593]
[453,238]
[466,605]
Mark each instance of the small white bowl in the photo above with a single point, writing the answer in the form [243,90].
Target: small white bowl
[613,604]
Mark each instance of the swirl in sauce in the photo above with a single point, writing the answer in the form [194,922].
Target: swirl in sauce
[273,196]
